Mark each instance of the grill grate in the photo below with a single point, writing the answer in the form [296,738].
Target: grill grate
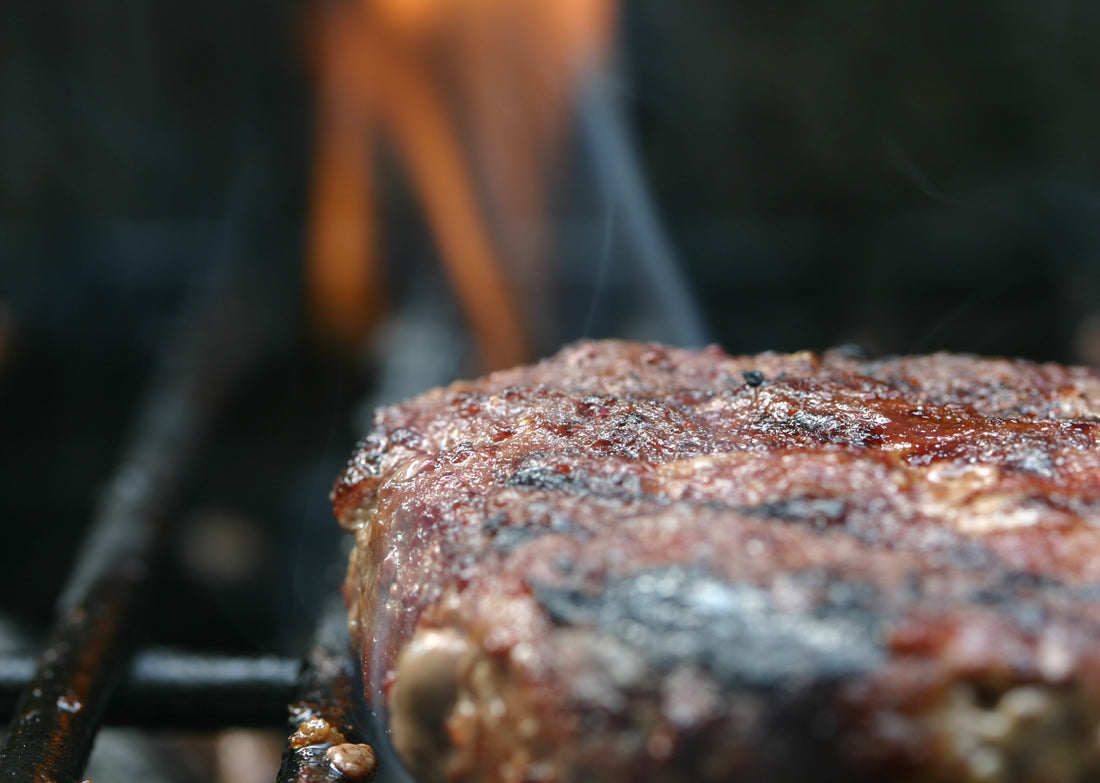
[326,709]
[87,671]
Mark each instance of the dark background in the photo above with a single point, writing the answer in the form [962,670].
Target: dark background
[906,176]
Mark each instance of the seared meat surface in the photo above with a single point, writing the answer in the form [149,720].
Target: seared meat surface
[637,563]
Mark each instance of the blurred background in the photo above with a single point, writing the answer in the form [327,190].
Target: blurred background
[907,177]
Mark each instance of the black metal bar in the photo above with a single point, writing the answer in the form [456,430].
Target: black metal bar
[328,709]
[203,691]
[170,689]
[89,644]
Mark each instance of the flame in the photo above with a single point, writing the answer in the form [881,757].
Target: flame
[473,95]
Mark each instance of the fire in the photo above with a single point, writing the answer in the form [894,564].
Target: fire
[473,96]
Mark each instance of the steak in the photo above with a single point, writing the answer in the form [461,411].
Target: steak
[636,563]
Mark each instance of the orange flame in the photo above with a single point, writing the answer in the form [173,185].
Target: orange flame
[426,75]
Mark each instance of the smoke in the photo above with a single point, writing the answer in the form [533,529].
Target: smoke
[478,103]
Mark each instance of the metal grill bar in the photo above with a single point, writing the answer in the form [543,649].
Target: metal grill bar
[328,698]
[172,690]
[89,644]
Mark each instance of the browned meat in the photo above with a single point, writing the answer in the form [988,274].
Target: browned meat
[635,563]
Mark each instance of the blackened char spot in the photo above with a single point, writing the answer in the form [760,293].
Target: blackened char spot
[681,615]
[1020,595]
[819,512]
[829,429]
[1028,580]
[508,534]
[1026,613]
[510,538]
[753,377]
[542,477]
[609,484]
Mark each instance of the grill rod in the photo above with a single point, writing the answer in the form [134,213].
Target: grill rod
[324,707]
[328,713]
[168,689]
[89,644]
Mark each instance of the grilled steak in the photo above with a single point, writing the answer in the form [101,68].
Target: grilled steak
[636,563]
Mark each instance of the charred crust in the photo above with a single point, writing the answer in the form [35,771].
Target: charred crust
[543,477]
[679,615]
[753,378]
[506,534]
[818,512]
